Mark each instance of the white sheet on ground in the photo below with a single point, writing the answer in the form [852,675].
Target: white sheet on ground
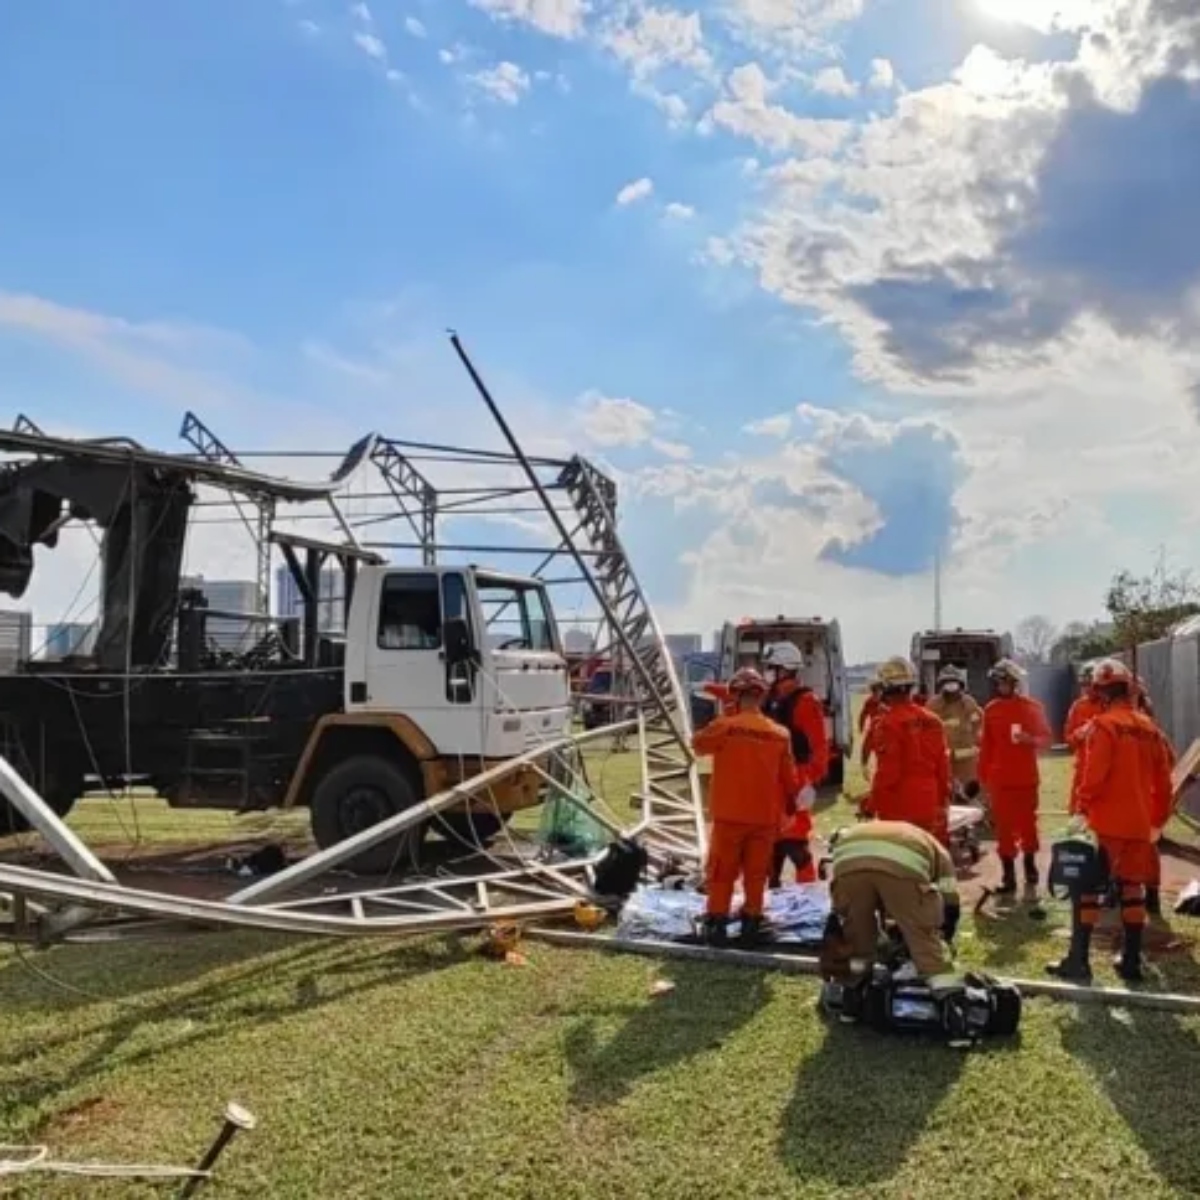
[797,913]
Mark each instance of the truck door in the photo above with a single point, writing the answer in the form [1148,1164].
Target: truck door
[406,666]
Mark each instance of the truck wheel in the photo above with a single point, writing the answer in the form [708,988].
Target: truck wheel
[60,795]
[359,793]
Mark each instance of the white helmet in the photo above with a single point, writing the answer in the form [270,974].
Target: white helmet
[783,656]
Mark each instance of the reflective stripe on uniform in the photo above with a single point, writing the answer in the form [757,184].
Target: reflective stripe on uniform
[966,752]
[942,982]
[910,860]
[948,885]
[951,722]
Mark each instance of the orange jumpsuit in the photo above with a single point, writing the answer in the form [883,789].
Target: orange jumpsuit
[1125,795]
[1008,770]
[1086,708]
[753,782]
[912,774]
[870,710]
[796,709]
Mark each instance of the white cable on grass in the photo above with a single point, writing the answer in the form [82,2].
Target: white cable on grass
[37,1159]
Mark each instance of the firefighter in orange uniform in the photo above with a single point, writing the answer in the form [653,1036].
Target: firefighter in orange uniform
[791,704]
[871,707]
[912,771]
[1014,730]
[1153,895]
[1124,797]
[1085,708]
[753,789]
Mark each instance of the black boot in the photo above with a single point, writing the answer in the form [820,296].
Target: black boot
[716,932]
[755,932]
[1076,967]
[1153,902]
[1008,880]
[1032,878]
[1129,965]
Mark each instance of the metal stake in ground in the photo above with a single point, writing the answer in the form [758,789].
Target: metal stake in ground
[237,1118]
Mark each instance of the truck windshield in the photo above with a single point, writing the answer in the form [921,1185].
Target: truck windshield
[516,615]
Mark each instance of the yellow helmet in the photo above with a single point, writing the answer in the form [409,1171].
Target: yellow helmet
[896,673]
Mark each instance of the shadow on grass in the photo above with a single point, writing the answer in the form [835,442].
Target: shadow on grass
[262,993]
[708,1006]
[1147,1065]
[861,1102]
[1006,935]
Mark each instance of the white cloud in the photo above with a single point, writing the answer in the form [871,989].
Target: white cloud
[883,75]
[414,28]
[371,45]
[647,39]
[790,24]
[311,28]
[631,193]
[615,421]
[832,81]
[505,82]
[558,18]
[679,212]
[775,427]
[454,54]
[361,13]
[673,450]
[746,111]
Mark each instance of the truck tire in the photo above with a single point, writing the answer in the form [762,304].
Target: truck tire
[60,795]
[358,793]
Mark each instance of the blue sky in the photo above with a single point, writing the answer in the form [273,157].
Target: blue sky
[831,285]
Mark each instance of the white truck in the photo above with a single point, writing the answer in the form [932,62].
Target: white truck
[443,671]
[820,641]
[975,651]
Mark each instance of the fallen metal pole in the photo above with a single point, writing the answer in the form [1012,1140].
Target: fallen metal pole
[51,826]
[805,964]
[324,860]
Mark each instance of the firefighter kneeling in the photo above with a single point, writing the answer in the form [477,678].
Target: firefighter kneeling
[903,872]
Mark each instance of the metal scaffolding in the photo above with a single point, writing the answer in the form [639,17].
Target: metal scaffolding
[579,503]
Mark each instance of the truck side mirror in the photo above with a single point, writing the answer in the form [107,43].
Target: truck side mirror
[457,640]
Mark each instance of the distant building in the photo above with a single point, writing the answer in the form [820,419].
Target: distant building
[69,638]
[577,641]
[16,638]
[230,596]
[331,602]
[680,644]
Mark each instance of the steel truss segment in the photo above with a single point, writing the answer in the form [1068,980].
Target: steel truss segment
[639,649]
[259,525]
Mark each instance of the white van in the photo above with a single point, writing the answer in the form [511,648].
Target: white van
[820,641]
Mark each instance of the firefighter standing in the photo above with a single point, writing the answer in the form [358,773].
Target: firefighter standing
[794,706]
[871,709]
[1014,730]
[1086,706]
[1124,796]
[903,872]
[962,718]
[912,761]
[753,788]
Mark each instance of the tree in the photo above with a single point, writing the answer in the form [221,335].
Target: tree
[1083,640]
[1034,638]
[1146,607]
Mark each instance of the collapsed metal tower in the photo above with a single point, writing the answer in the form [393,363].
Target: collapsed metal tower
[579,502]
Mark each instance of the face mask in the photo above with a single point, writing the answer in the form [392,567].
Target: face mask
[951,689]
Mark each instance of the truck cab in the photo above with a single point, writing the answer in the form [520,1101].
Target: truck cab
[820,641]
[471,656]
[449,670]
[975,651]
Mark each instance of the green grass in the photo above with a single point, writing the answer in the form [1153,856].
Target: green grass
[384,1069]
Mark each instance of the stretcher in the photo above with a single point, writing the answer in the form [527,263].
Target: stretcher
[964,822]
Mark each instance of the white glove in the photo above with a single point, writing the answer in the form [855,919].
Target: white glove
[1077,825]
[806,797]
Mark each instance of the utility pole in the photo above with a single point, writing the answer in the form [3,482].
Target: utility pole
[937,588]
